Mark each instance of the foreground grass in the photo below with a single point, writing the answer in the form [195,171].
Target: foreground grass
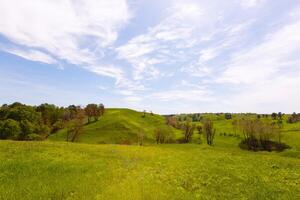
[53,170]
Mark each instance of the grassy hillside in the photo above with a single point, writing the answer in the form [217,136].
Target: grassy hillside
[118,126]
[59,170]
[290,132]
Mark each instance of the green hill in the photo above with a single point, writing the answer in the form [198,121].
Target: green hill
[119,126]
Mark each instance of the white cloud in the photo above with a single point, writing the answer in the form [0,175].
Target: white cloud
[107,70]
[101,87]
[183,94]
[251,3]
[144,52]
[132,99]
[75,31]
[33,55]
[276,55]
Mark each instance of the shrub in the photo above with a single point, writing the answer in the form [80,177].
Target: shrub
[124,142]
[260,135]
[228,116]
[163,135]
[34,137]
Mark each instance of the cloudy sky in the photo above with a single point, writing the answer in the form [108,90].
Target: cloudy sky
[168,56]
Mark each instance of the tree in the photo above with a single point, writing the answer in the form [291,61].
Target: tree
[188,131]
[90,111]
[235,126]
[172,121]
[141,137]
[50,113]
[274,116]
[102,109]
[228,116]
[10,129]
[94,111]
[26,128]
[280,127]
[74,128]
[209,131]
[258,134]
[200,131]
[163,135]
[159,136]
[144,114]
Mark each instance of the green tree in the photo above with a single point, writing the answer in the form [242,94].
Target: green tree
[10,129]
[26,128]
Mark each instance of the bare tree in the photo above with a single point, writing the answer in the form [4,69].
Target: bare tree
[188,131]
[74,128]
[162,135]
[141,137]
[209,131]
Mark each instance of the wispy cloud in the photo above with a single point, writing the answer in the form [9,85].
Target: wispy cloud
[33,55]
[75,31]
[186,95]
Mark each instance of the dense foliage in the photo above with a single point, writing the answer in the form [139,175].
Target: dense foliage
[23,122]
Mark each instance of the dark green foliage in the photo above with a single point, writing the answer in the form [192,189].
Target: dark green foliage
[23,122]
[256,145]
[294,118]
[228,116]
[274,116]
[9,129]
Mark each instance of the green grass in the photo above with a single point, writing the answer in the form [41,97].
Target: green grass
[58,170]
[118,125]
[61,170]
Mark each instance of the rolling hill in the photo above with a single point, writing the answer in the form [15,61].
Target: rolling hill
[119,125]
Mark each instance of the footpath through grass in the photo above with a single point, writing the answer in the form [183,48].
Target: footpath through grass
[58,170]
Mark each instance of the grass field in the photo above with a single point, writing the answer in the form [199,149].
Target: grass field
[55,169]
[58,170]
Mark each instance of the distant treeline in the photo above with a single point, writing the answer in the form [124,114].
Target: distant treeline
[198,117]
[24,122]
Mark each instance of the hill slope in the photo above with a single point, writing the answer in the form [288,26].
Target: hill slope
[118,126]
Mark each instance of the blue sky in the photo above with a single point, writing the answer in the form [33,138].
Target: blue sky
[169,56]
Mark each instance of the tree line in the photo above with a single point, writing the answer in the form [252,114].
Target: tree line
[24,122]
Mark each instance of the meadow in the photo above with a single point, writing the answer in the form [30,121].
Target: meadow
[58,170]
[97,167]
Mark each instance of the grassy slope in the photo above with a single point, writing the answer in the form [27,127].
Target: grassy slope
[58,170]
[118,125]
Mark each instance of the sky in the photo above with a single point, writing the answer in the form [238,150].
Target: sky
[165,56]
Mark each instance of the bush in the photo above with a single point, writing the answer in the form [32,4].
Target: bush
[163,135]
[228,116]
[34,137]
[256,145]
[260,135]
[124,142]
